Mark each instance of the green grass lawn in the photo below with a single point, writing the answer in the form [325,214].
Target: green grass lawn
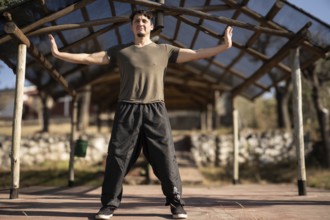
[286,173]
[56,174]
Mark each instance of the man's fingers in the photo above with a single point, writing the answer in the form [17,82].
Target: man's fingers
[229,30]
[50,37]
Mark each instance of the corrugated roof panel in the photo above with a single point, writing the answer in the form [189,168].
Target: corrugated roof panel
[265,80]
[247,65]
[252,91]
[58,4]
[125,32]
[261,7]
[216,71]
[232,80]
[186,33]
[242,35]
[205,40]
[286,15]
[94,11]
[169,26]
[227,57]
[107,39]
[193,3]
[268,44]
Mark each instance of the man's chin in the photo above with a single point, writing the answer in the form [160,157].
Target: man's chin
[141,35]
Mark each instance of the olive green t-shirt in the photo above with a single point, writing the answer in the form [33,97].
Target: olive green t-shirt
[142,70]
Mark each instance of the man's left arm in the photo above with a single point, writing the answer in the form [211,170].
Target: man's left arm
[186,55]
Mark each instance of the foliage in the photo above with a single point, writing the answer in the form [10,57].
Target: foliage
[55,174]
[260,114]
[280,173]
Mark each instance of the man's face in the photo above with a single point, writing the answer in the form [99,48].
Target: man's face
[141,25]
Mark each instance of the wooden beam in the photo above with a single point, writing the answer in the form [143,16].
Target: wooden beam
[87,24]
[11,28]
[294,41]
[203,15]
[49,18]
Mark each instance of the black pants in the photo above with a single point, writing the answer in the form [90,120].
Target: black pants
[137,125]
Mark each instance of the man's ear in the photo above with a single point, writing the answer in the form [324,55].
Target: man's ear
[152,26]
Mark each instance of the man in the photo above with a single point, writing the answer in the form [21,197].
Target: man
[141,118]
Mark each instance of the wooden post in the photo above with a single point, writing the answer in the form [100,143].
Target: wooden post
[236,149]
[74,116]
[217,107]
[17,123]
[203,120]
[84,109]
[298,121]
[160,16]
[209,115]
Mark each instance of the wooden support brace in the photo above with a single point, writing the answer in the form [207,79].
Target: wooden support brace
[12,29]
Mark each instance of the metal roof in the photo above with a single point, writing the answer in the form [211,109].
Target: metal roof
[264,33]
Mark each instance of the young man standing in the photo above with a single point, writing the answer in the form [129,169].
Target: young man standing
[141,117]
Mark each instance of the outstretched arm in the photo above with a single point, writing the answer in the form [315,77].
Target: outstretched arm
[186,55]
[81,58]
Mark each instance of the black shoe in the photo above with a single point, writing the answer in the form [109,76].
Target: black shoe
[178,212]
[105,212]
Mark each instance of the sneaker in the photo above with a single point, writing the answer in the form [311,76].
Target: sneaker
[178,212]
[105,212]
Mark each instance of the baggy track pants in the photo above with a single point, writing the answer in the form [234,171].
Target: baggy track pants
[137,125]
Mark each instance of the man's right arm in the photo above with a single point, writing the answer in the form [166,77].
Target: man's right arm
[80,58]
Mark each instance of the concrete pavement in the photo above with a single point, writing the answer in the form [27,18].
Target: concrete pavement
[243,202]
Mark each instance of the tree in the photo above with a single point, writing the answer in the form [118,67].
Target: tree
[318,77]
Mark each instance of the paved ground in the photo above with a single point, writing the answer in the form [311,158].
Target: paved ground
[246,202]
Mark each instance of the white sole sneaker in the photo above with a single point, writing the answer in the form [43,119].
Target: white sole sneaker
[104,217]
[180,216]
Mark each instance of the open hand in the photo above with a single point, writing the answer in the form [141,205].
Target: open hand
[53,45]
[228,36]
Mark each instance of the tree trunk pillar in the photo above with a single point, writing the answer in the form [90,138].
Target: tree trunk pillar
[74,116]
[236,147]
[17,122]
[298,121]
[209,117]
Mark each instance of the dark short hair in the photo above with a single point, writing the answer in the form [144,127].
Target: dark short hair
[145,13]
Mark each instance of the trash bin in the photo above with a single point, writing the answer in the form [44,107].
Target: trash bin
[80,148]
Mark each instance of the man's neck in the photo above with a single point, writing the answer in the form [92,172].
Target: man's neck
[142,41]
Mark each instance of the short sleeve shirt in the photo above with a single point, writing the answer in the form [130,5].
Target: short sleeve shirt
[142,70]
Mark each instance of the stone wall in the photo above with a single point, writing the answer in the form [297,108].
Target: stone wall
[207,149]
[42,147]
[254,147]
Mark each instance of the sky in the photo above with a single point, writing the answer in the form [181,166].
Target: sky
[318,8]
